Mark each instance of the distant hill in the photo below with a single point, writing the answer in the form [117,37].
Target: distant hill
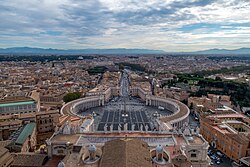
[222,51]
[41,51]
[38,51]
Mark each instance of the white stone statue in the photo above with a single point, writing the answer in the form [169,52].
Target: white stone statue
[119,128]
[111,128]
[141,127]
[67,128]
[126,127]
[133,127]
[105,128]
[187,132]
[146,128]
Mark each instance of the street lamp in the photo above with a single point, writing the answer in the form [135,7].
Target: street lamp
[124,115]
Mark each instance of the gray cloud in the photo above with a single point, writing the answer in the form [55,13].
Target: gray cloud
[111,23]
[87,18]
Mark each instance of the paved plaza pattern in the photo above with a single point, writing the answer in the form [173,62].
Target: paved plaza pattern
[138,119]
[139,116]
[125,113]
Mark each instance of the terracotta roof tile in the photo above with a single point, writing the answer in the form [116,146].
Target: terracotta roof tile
[126,153]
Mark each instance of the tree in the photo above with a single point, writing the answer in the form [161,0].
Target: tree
[97,70]
[71,96]
[218,78]
[121,66]
[191,106]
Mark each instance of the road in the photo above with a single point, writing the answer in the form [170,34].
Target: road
[192,122]
[124,85]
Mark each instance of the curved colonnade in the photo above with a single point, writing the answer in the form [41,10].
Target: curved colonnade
[85,103]
[180,111]
[176,120]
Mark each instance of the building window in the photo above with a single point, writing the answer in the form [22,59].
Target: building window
[59,151]
[193,155]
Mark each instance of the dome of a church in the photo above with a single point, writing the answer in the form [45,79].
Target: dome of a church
[159,148]
[92,148]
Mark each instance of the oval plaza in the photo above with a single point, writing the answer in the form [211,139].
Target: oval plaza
[124,121]
[129,108]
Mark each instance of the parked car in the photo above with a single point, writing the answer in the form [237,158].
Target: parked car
[218,159]
[219,153]
[213,157]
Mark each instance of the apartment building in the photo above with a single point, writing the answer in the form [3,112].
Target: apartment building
[46,123]
[18,105]
[229,133]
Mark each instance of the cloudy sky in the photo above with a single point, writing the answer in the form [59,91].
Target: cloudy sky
[170,25]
